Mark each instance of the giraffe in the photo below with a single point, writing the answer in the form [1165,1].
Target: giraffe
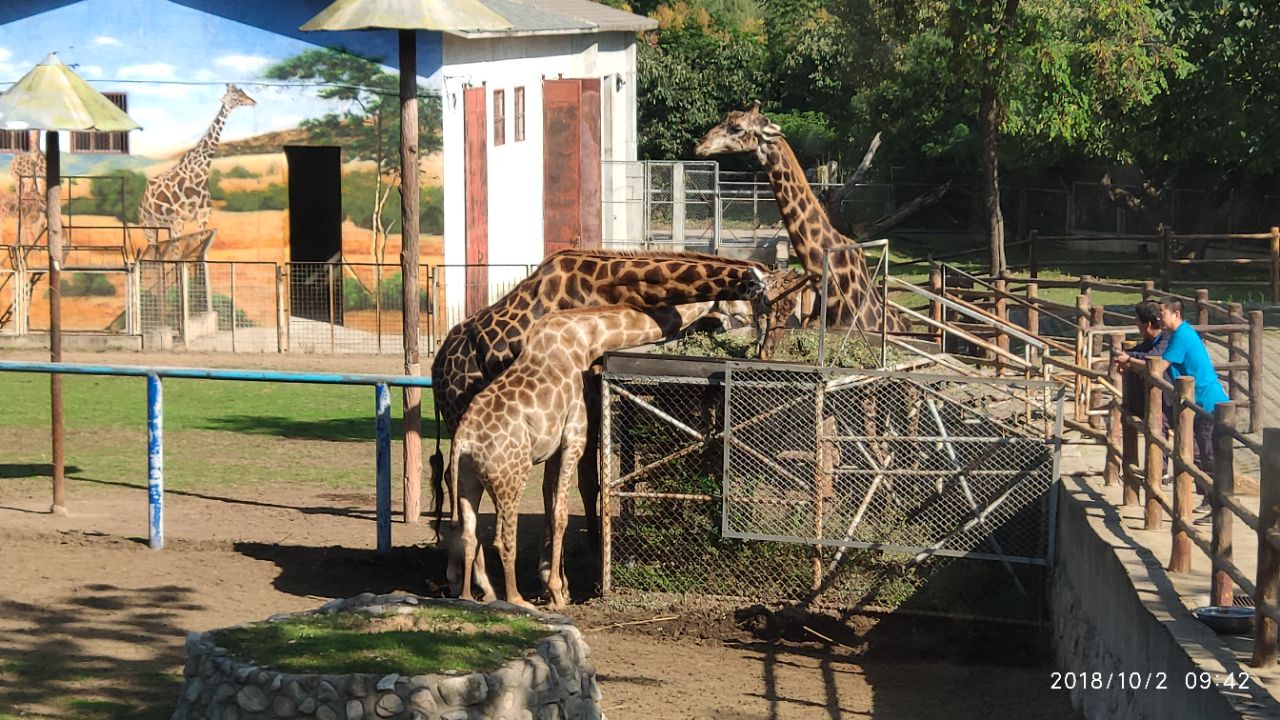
[478,349]
[852,300]
[181,194]
[28,203]
[534,411]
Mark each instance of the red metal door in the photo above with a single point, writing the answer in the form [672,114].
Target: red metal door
[475,138]
[561,208]
[589,162]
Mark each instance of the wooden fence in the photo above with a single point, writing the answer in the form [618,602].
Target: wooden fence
[1142,482]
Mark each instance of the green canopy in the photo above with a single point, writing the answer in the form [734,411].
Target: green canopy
[52,97]
[446,15]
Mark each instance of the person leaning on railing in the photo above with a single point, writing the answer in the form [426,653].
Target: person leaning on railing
[1153,342]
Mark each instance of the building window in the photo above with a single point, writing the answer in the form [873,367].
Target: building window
[519,100]
[15,141]
[107,143]
[499,117]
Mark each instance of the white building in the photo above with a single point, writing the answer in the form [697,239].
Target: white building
[531,116]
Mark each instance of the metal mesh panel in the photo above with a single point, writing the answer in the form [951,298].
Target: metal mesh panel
[243,303]
[624,199]
[920,492]
[483,288]
[682,211]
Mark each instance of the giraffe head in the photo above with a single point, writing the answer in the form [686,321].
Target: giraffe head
[234,97]
[742,131]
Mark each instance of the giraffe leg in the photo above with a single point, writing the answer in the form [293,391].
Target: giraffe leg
[558,583]
[507,517]
[465,541]
[550,476]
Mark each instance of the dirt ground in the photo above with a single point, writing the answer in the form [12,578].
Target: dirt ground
[92,622]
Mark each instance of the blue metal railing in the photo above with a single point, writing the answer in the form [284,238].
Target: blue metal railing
[155,421]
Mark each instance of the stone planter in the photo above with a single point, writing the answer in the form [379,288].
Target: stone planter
[555,680]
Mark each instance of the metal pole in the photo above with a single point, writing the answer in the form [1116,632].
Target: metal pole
[884,310]
[53,212]
[382,406]
[155,462]
[822,316]
[409,270]
[281,326]
[328,274]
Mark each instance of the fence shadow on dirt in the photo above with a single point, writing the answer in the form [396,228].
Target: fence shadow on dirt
[335,429]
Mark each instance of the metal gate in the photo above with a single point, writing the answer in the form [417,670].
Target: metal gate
[842,488]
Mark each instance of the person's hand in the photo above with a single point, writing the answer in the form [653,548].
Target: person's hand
[1123,357]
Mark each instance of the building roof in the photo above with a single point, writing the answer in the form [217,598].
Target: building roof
[560,17]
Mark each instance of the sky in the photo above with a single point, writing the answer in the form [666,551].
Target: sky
[173,61]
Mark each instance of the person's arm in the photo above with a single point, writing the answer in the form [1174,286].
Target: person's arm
[1150,349]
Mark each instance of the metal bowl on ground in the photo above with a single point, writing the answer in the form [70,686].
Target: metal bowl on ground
[1226,620]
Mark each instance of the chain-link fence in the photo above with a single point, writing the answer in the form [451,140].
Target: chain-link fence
[662,205]
[845,488]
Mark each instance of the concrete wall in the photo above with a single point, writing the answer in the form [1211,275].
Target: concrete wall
[1114,611]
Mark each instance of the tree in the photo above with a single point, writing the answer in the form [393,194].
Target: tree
[694,67]
[1046,74]
[369,127]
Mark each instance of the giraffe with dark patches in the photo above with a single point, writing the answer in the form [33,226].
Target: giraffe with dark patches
[471,357]
[852,301]
[534,412]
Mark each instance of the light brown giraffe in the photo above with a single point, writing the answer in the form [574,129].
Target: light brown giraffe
[480,348]
[28,203]
[180,194]
[533,412]
[851,299]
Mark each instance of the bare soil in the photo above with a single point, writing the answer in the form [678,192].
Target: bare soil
[92,621]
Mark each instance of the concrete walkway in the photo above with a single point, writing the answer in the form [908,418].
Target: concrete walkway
[1171,597]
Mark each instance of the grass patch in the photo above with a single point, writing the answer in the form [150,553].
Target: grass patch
[430,640]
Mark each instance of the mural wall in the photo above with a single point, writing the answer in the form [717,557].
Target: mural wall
[221,88]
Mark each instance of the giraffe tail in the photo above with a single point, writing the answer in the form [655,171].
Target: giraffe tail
[437,473]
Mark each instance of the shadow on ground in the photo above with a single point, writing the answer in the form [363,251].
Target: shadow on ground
[336,429]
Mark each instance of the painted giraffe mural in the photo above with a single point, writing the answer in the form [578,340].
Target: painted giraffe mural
[479,349]
[27,203]
[180,194]
[534,411]
[852,300]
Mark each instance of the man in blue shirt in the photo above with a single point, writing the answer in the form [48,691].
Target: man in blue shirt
[1187,355]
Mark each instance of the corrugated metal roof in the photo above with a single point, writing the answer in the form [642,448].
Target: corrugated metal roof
[606,18]
[527,17]
[553,17]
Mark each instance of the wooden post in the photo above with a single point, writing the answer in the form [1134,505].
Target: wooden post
[1236,352]
[282,318]
[1268,577]
[53,230]
[1002,312]
[1082,338]
[1184,448]
[1129,445]
[1155,429]
[1086,287]
[1033,315]
[1115,417]
[409,260]
[1166,256]
[1149,290]
[1255,371]
[935,307]
[1275,265]
[1202,306]
[1033,262]
[1224,485]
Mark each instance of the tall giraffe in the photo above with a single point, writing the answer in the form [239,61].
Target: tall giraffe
[28,171]
[535,411]
[479,349]
[851,299]
[181,194]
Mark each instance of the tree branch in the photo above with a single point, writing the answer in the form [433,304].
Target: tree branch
[893,219]
[833,199]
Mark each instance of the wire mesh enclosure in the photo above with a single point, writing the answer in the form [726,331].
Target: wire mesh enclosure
[845,488]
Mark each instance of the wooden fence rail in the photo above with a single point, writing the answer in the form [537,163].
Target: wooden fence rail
[1124,435]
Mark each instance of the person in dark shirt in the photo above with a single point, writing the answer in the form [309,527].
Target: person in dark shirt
[1152,343]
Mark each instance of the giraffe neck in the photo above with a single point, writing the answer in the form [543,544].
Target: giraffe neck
[806,221]
[196,160]
[586,334]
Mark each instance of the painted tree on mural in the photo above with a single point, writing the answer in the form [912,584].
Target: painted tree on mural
[369,126]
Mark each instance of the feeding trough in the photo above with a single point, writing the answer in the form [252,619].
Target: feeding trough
[392,656]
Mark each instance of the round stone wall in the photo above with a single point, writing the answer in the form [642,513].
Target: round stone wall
[555,680]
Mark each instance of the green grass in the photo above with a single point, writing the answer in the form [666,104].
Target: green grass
[217,433]
[439,640]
